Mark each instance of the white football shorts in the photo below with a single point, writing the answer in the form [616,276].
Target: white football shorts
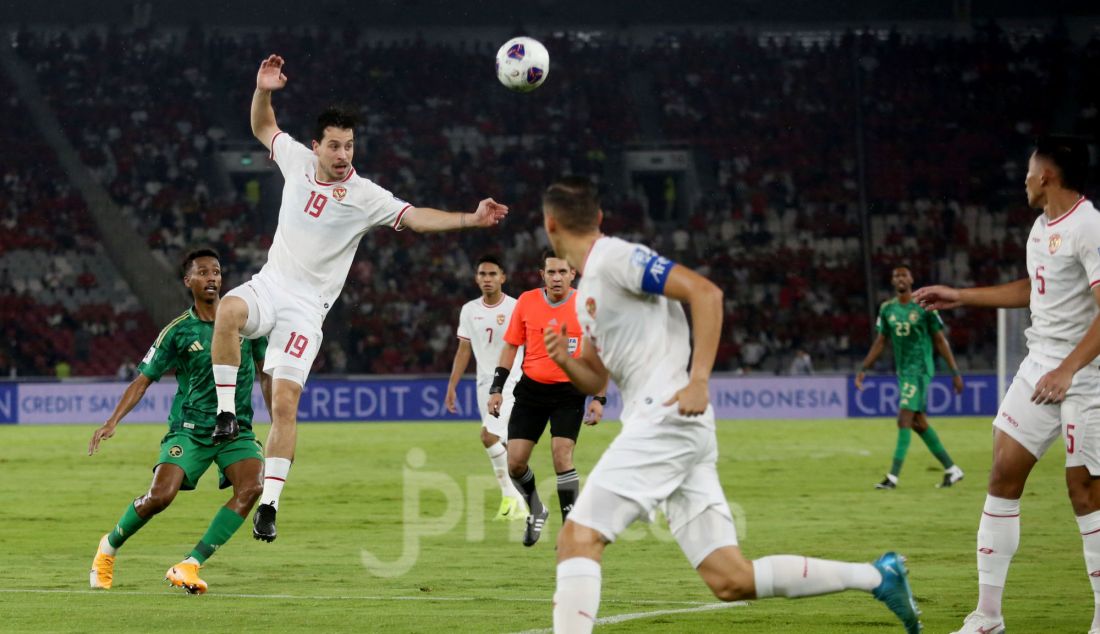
[1077,418]
[291,323]
[668,461]
[496,426]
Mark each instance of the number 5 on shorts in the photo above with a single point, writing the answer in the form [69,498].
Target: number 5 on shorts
[296,346]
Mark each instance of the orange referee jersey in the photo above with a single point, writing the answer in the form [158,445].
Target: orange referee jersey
[532,315]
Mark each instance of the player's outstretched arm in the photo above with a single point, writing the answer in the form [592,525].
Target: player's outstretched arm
[130,398]
[939,340]
[705,299]
[1011,295]
[269,79]
[458,368]
[872,355]
[586,372]
[489,213]
[1052,386]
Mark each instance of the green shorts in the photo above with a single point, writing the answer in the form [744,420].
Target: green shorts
[913,392]
[194,455]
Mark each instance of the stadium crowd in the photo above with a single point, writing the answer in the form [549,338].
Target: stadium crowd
[772,120]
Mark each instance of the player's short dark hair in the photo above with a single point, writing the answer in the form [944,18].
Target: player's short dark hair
[574,202]
[489,258]
[546,255]
[1070,155]
[194,254]
[337,116]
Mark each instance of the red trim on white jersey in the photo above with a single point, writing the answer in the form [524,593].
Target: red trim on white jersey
[585,261]
[461,338]
[502,298]
[273,137]
[1093,284]
[343,180]
[1066,215]
[397,223]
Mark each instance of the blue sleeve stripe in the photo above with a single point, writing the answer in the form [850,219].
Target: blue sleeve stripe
[655,276]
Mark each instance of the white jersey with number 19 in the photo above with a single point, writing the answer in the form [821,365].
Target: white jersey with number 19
[1063,261]
[321,223]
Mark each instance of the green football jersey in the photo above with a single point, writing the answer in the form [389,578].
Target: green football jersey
[909,328]
[184,344]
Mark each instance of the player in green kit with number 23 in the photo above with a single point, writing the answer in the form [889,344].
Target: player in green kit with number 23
[913,331]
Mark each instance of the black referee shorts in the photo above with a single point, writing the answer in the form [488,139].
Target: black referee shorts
[560,403]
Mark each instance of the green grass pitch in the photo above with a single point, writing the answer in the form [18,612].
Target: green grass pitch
[803,487]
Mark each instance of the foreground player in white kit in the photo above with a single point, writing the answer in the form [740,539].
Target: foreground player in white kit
[636,332]
[326,209]
[1057,386]
[481,326]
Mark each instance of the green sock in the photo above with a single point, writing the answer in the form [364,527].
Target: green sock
[936,447]
[225,523]
[904,436]
[128,524]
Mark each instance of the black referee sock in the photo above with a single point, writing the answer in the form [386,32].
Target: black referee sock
[569,485]
[526,484]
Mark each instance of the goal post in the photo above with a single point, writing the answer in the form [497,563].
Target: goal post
[1011,345]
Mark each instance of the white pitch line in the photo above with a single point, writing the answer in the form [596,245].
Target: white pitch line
[620,618]
[301,597]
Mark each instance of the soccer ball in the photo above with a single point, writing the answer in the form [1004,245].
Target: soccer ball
[522,64]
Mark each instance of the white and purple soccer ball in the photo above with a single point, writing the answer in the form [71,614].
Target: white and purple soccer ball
[522,64]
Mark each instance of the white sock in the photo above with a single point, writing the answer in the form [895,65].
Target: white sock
[577,598]
[225,383]
[1090,537]
[106,548]
[498,455]
[998,538]
[794,576]
[275,472]
[191,560]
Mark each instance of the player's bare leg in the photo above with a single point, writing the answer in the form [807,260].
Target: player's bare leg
[167,480]
[569,483]
[999,530]
[281,440]
[901,448]
[1084,495]
[951,472]
[246,476]
[519,453]
[728,574]
[512,505]
[225,355]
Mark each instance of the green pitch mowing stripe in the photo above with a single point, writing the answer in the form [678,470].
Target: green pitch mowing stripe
[802,487]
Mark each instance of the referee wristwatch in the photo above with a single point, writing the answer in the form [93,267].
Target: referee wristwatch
[602,400]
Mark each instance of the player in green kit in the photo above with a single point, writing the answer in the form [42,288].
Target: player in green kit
[188,451]
[913,331]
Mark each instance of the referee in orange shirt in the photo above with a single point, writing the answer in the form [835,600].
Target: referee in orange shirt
[544,392]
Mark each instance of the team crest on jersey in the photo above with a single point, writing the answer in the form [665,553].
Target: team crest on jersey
[500,319]
[175,451]
[913,317]
[339,193]
[1055,242]
[590,306]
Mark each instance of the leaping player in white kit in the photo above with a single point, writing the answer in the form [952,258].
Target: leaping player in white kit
[1057,387]
[326,209]
[636,332]
[481,327]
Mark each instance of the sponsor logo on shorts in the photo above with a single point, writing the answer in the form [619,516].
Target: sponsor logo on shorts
[985,551]
[1055,242]
[175,451]
[1095,573]
[339,193]
[189,425]
[1008,417]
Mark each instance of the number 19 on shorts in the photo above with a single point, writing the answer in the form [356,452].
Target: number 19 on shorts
[296,345]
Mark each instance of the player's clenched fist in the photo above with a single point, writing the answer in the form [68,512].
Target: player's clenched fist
[271,77]
[495,401]
[557,344]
